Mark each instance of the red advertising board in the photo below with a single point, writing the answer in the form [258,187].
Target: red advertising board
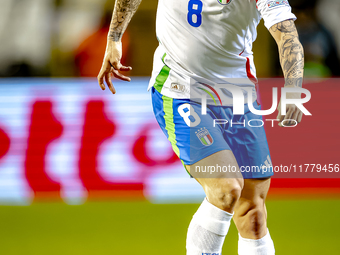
[67,139]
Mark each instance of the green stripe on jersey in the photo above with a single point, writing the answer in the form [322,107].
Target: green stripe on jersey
[169,122]
[162,76]
[209,95]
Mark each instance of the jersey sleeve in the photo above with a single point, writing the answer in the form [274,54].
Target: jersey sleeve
[274,11]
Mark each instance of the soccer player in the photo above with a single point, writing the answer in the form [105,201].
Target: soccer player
[204,44]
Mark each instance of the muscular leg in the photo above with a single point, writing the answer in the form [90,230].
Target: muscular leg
[222,189]
[251,218]
[250,211]
[211,222]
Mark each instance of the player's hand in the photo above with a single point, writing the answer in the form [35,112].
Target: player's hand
[112,67]
[292,112]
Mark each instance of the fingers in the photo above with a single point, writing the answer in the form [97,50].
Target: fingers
[116,72]
[125,68]
[105,74]
[299,118]
[120,76]
[293,113]
[285,119]
[120,67]
[295,116]
[288,116]
[109,82]
[280,118]
[101,76]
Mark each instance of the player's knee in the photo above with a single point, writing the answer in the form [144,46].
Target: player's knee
[252,222]
[229,197]
[225,195]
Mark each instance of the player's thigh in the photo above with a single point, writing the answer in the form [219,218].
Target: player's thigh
[201,146]
[222,187]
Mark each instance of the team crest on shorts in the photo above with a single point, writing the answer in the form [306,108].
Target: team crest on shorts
[224,2]
[204,136]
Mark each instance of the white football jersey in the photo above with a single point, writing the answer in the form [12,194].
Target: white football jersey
[210,42]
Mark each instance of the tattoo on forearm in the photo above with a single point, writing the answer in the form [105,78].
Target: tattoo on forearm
[291,53]
[122,14]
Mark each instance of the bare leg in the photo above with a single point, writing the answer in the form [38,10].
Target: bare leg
[251,219]
[250,210]
[210,224]
[223,189]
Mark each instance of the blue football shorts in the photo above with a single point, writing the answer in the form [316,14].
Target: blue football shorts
[193,136]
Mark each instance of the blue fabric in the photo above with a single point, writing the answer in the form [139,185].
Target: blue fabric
[248,144]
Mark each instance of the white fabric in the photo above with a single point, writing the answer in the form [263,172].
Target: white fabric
[207,230]
[215,52]
[263,246]
[273,11]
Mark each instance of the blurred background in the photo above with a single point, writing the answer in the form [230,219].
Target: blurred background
[67,38]
[85,172]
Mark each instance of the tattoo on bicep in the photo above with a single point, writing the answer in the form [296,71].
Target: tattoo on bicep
[286,26]
[291,53]
[122,14]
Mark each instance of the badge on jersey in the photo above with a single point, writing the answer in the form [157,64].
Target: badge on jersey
[273,4]
[224,2]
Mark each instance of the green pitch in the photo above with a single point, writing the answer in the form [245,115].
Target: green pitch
[298,227]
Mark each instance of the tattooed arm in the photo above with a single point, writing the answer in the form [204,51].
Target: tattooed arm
[292,63]
[291,52]
[122,14]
